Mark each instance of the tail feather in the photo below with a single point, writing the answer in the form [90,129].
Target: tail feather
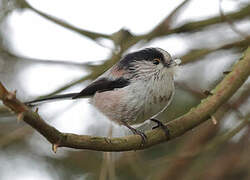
[56,97]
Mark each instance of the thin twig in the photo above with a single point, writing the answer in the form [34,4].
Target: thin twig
[165,24]
[197,54]
[15,135]
[231,23]
[89,34]
[197,25]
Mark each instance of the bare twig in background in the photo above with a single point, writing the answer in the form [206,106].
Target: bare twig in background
[10,54]
[89,34]
[198,25]
[228,135]
[15,135]
[197,54]
[161,29]
[166,23]
[194,142]
[233,154]
[231,24]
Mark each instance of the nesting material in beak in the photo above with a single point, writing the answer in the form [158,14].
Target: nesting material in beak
[177,61]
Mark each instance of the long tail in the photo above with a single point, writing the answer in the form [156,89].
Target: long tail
[56,97]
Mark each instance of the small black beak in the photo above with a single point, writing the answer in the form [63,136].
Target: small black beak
[167,65]
[172,63]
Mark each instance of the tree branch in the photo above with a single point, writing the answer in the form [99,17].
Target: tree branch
[197,25]
[222,92]
[194,26]
[197,54]
[89,34]
[164,26]
[161,29]
[231,24]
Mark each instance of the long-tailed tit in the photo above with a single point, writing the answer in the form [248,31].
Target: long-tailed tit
[137,88]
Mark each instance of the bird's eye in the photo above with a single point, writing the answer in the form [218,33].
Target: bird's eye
[156,61]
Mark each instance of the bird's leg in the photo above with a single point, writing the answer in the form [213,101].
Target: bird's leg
[161,125]
[137,132]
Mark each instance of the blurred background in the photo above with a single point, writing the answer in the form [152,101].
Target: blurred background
[57,46]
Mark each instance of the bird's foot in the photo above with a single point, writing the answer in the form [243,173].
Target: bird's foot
[142,134]
[138,132]
[162,126]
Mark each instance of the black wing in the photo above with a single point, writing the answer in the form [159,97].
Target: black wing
[103,84]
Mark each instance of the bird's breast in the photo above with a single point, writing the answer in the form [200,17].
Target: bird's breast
[137,102]
[156,97]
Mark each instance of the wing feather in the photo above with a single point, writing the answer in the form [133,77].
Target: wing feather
[102,84]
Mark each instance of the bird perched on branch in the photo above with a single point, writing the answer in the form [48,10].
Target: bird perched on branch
[135,89]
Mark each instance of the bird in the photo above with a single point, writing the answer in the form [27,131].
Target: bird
[137,88]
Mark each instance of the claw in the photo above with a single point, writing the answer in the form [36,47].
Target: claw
[162,126]
[137,132]
[143,136]
[54,147]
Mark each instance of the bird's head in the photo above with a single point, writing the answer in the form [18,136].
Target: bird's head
[148,62]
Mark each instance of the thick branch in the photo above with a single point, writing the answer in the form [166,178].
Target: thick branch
[223,91]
